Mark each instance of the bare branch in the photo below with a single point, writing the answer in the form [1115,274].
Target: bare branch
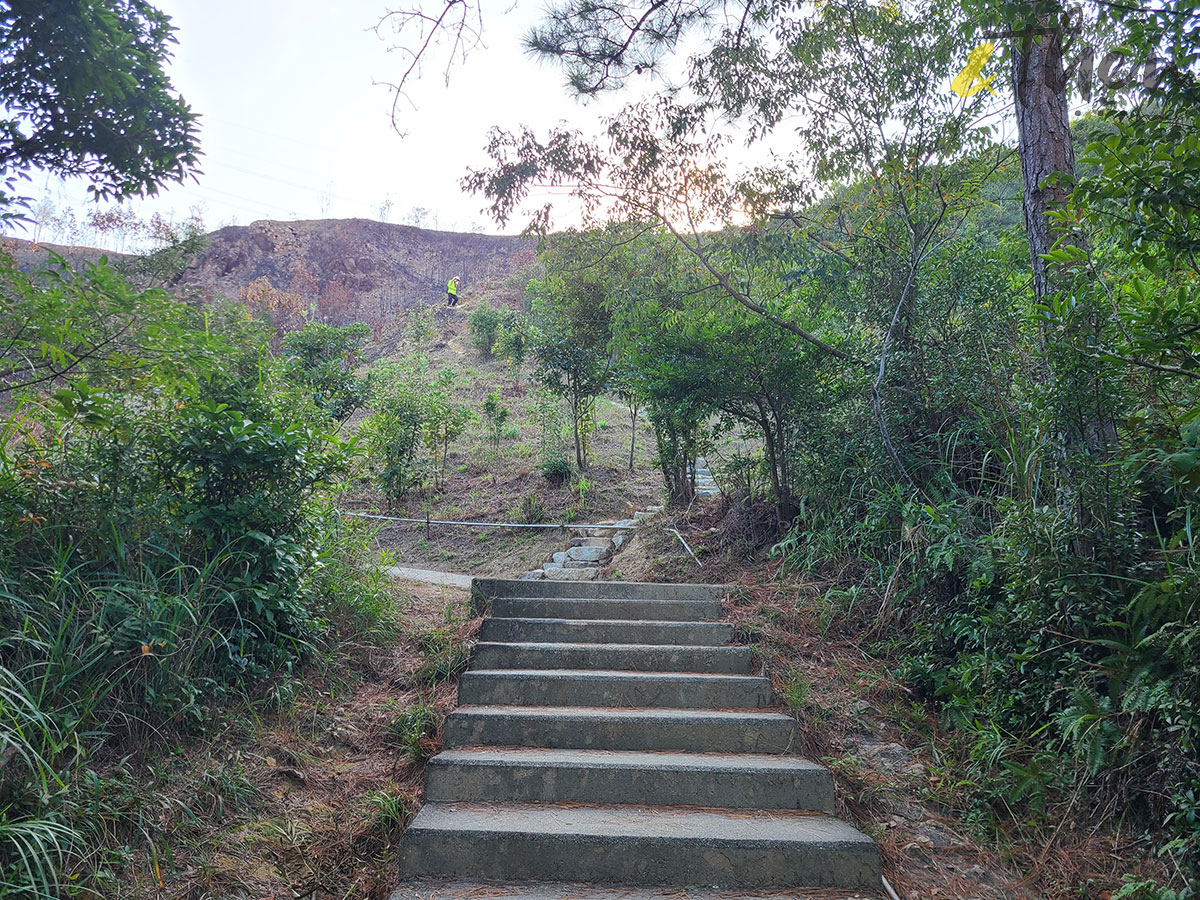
[460,22]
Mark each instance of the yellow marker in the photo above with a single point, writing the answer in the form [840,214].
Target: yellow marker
[967,83]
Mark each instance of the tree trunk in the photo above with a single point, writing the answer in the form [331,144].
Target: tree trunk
[1086,429]
[1043,143]
[576,426]
[633,416]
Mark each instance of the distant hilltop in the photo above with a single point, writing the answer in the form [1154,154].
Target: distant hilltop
[350,269]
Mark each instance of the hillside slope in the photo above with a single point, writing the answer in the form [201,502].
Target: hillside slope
[351,269]
[354,268]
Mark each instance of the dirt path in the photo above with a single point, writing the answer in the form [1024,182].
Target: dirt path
[429,576]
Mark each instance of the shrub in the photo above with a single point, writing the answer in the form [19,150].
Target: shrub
[496,414]
[530,511]
[512,339]
[556,470]
[323,357]
[483,322]
[163,544]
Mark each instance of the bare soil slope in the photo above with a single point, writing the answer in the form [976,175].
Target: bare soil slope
[351,269]
[357,269]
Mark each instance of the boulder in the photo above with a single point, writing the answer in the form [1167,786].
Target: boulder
[589,554]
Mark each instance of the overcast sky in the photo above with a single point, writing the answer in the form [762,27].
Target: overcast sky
[295,126]
[292,126]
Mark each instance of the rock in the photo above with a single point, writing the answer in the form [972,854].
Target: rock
[532,575]
[586,574]
[617,540]
[628,523]
[588,554]
[551,567]
[934,835]
[654,509]
[888,757]
[912,812]
[578,564]
[560,557]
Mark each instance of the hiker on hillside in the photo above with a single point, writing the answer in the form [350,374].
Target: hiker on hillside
[452,291]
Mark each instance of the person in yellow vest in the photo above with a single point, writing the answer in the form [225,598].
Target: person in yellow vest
[452,291]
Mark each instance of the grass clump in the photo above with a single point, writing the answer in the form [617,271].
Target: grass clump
[413,730]
[445,655]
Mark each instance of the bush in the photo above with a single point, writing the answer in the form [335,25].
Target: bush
[483,322]
[556,470]
[166,540]
[323,357]
[512,339]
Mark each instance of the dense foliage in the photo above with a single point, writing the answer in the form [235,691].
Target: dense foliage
[166,538]
[1001,466]
[85,92]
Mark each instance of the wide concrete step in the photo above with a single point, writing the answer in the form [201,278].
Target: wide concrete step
[691,730]
[733,660]
[746,781]
[626,590]
[639,845]
[569,687]
[606,608]
[441,888]
[606,631]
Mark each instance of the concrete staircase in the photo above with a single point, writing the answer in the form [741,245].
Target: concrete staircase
[608,733]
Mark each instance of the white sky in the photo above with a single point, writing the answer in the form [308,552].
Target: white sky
[292,126]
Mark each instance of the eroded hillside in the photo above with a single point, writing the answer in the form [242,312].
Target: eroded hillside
[348,269]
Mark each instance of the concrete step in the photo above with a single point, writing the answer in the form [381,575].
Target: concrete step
[690,730]
[639,845]
[736,660]
[605,631]
[743,781]
[624,590]
[606,608]
[560,572]
[440,888]
[599,688]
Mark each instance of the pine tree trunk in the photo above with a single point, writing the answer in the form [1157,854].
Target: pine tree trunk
[1043,144]
[1085,427]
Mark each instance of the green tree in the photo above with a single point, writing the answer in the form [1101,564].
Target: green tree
[85,93]
[512,340]
[570,336]
[444,420]
[324,358]
[392,433]
[496,415]
[62,322]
